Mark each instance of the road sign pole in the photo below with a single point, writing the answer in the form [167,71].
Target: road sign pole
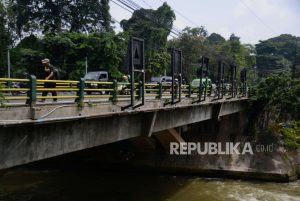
[136,59]
[176,70]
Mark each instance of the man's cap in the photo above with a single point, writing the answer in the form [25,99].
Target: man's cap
[45,61]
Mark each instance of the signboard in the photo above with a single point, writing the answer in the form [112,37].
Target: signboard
[232,72]
[176,70]
[205,65]
[134,59]
[135,65]
[137,53]
[177,61]
[221,71]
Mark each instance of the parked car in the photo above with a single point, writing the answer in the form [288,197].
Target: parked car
[96,76]
[195,84]
[166,82]
[162,79]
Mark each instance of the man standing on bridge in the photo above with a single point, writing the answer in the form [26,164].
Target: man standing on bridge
[49,75]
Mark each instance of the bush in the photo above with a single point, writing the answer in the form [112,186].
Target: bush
[291,135]
[279,92]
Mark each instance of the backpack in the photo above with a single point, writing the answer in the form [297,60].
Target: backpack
[56,72]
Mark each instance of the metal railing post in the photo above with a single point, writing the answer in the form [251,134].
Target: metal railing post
[141,90]
[114,97]
[190,91]
[245,89]
[160,91]
[80,92]
[31,94]
[205,88]
[9,84]
[176,92]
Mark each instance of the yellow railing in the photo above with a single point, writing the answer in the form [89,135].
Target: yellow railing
[35,89]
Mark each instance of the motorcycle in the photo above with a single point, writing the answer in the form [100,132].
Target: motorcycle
[19,85]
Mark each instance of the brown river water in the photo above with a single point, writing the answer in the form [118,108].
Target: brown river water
[68,184]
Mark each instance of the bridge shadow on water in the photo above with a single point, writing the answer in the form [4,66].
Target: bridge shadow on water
[81,176]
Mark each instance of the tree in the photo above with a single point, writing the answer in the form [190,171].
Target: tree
[153,26]
[191,42]
[215,38]
[233,37]
[197,31]
[4,38]
[277,54]
[280,94]
[59,16]
[67,51]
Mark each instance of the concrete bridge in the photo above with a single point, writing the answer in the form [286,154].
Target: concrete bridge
[30,134]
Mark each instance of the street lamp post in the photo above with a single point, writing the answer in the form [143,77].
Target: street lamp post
[8,62]
[86,58]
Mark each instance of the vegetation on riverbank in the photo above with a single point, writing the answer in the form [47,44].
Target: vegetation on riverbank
[277,101]
[291,135]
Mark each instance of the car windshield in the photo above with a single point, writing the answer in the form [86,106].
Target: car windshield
[91,76]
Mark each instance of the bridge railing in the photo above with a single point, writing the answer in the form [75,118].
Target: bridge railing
[32,90]
[8,87]
[59,86]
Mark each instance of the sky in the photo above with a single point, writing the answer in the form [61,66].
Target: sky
[251,20]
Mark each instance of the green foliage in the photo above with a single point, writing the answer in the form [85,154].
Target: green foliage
[158,62]
[25,60]
[59,16]
[68,52]
[194,44]
[279,92]
[215,38]
[291,135]
[31,42]
[197,31]
[191,42]
[277,54]
[153,26]
[5,38]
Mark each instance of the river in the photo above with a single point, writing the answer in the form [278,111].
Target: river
[69,184]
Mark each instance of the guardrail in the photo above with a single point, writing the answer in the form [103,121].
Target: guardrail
[32,90]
